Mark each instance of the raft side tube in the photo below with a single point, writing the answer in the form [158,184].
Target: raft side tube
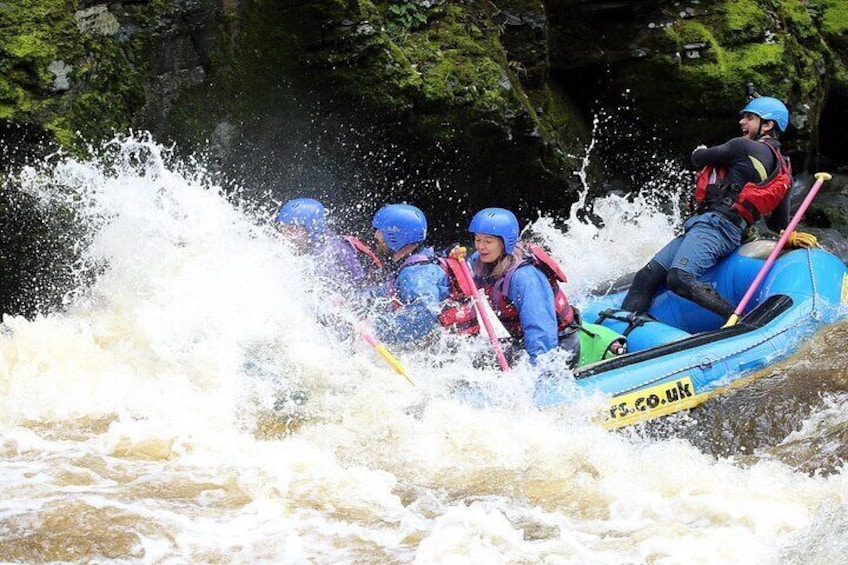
[773,307]
[642,332]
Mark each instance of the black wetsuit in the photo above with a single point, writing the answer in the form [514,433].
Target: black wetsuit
[745,160]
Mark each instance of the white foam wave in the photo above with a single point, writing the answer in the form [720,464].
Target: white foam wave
[139,410]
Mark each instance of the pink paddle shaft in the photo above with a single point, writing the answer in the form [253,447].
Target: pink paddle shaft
[780,243]
[478,300]
[369,339]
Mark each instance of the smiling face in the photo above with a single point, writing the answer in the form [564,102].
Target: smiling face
[753,126]
[489,248]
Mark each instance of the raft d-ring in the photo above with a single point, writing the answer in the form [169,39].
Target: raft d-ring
[705,363]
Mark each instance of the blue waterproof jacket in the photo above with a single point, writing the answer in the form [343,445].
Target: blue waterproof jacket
[530,292]
[418,289]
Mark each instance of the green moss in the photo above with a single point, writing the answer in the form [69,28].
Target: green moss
[834,20]
[710,58]
[32,46]
[725,68]
[247,75]
[455,70]
[452,65]
[36,33]
[761,64]
[798,17]
[563,115]
[62,131]
[772,43]
[746,20]
[690,74]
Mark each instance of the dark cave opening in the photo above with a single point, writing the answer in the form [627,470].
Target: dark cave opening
[832,138]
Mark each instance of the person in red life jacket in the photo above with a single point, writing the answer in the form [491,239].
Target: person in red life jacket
[418,285]
[739,182]
[522,283]
[344,263]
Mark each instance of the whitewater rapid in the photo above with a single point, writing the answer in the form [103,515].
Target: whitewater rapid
[187,405]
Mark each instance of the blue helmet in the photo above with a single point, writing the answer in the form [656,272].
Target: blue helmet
[499,222]
[306,212]
[400,224]
[768,108]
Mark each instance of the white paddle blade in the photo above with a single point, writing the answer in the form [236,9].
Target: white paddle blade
[500,331]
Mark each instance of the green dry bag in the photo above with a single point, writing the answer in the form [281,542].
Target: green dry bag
[598,343]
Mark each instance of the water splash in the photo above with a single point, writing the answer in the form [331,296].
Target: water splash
[620,231]
[131,422]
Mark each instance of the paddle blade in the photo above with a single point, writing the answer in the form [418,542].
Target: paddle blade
[731,321]
[500,331]
[392,360]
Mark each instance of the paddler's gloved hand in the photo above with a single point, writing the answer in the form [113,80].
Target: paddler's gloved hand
[799,239]
[617,347]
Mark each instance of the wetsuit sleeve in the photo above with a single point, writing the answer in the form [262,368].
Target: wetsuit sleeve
[420,290]
[780,217]
[724,154]
[530,292]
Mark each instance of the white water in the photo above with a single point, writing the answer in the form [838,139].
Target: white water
[139,426]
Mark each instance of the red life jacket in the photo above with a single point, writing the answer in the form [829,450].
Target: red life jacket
[750,202]
[375,265]
[458,314]
[507,312]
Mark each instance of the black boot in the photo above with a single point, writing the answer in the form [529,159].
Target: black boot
[704,295]
[646,283]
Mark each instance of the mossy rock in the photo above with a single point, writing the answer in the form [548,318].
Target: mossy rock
[439,89]
[773,45]
[833,15]
[76,82]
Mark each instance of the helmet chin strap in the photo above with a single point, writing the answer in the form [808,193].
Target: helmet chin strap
[760,132]
[760,129]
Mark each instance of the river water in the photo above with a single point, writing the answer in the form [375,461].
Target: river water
[188,406]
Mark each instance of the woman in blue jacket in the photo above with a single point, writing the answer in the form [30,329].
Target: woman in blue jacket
[522,283]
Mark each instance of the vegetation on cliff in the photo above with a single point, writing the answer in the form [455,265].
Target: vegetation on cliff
[457,104]
[70,72]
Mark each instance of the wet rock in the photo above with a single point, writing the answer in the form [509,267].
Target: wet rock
[61,70]
[97,20]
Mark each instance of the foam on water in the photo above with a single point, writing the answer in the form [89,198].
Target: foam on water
[139,423]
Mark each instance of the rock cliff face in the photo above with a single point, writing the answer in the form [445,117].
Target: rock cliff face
[451,104]
[500,94]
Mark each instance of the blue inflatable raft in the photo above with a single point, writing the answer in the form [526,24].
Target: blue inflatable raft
[680,355]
